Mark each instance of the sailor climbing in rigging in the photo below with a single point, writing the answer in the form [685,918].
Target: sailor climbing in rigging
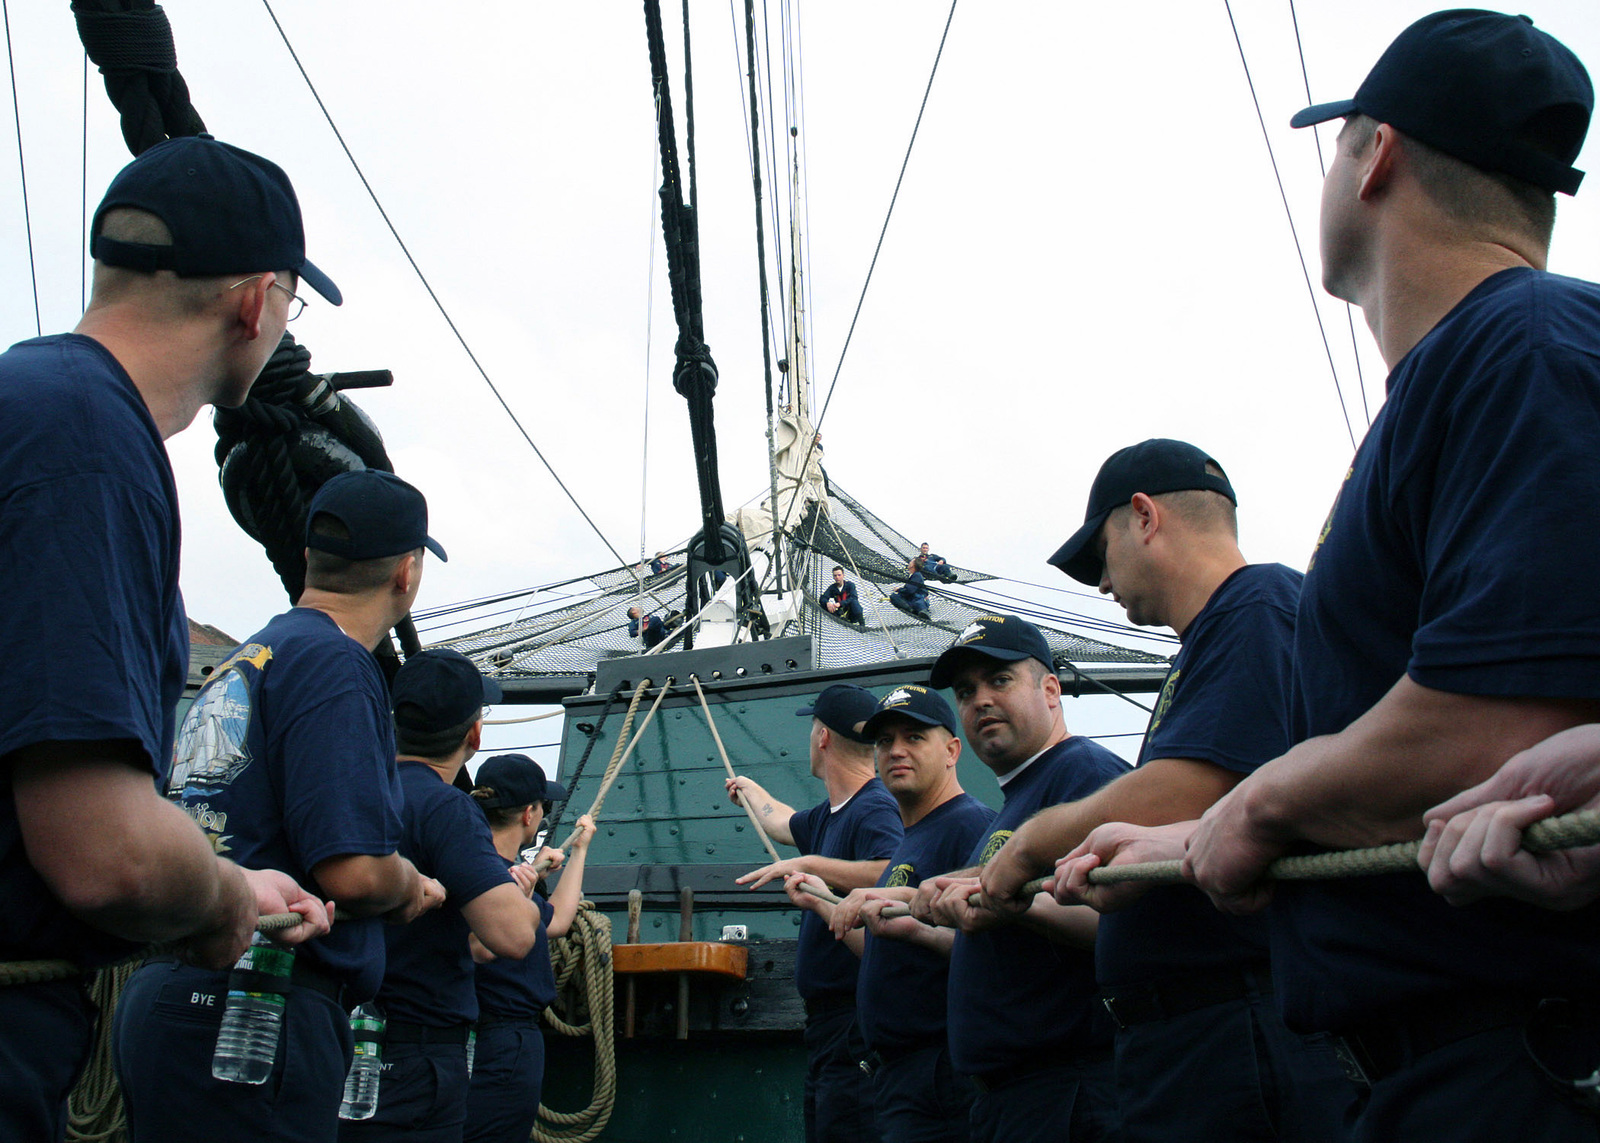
[508,1071]
[648,629]
[902,988]
[842,599]
[912,596]
[306,783]
[1024,1020]
[198,250]
[846,840]
[1447,619]
[1201,1051]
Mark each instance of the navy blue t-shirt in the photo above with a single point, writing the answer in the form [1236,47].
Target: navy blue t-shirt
[520,989]
[94,644]
[1016,997]
[845,593]
[1226,702]
[286,759]
[900,995]
[865,828]
[428,979]
[1451,556]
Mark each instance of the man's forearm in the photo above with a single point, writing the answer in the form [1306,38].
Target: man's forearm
[1073,925]
[843,875]
[772,814]
[1370,783]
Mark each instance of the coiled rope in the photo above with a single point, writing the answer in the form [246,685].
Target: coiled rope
[582,963]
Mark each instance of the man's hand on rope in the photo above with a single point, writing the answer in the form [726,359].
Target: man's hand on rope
[797,886]
[756,878]
[1115,843]
[1003,877]
[900,928]
[1473,847]
[847,914]
[233,921]
[279,893]
[943,901]
[1229,852]
[427,896]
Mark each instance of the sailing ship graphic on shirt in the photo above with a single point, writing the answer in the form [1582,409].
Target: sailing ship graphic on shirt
[212,748]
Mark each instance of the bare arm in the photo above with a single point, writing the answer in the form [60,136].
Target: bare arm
[772,814]
[505,922]
[839,874]
[1162,791]
[568,894]
[1367,785]
[387,886]
[121,857]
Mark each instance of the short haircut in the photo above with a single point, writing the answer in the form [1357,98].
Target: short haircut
[183,297]
[1200,508]
[1472,196]
[837,568]
[435,743]
[339,576]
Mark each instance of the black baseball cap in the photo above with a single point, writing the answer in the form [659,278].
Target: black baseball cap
[843,707]
[1152,467]
[515,780]
[1004,637]
[230,212]
[916,703]
[439,688]
[383,514]
[1477,85]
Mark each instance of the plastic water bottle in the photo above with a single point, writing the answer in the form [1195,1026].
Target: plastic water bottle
[247,1041]
[361,1084]
[472,1049]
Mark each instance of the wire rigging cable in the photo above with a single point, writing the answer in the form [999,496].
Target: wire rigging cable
[1349,310]
[16,116]
[1300,253]
[426,285]
[905,162]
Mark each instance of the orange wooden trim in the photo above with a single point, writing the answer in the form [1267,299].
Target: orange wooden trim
[681,956]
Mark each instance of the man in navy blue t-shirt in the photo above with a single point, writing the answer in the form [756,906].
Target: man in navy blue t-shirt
[1200,1048]
[903,982]
[842,599]
[427,993]
[1447,619]
[1024,1020]
[846,840]
[647,628]
[197,248]
[286,760]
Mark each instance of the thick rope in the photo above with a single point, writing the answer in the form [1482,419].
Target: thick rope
[94,1109]
[582,963]
[728,766]
[1568,831]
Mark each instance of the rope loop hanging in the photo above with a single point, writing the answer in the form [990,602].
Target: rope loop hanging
[585,1006]
[130,41]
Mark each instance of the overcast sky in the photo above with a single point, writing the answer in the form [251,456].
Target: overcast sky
[1089,249]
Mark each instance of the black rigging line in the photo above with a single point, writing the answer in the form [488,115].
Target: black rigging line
[423,278]
[27,220]
[1349,310]
[761,266]
[1305,272]
[811,447]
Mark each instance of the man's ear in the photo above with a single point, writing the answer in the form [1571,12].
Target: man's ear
[1378,165]
[251,302]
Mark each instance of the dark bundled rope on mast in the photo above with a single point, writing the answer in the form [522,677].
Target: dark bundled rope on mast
[130,41]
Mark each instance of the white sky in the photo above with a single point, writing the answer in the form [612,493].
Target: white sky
[1089,249]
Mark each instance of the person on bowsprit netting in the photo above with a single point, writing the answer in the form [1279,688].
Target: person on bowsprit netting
[1201,1051]
[937,566]
[198,248]
[427,995]
[846,840]
[901,992]
[843,600]
[287,759]
[912,596]
[1024,1018]
[661,565]
[1447,619]
[648,629]
[508,1074]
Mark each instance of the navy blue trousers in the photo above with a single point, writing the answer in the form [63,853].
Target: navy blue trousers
[1483,1089]
[166,1032]
[45,1034]
[422,1096]
[1068,1103]
[921,1099]
[838,1105]
[507,1081]
[1229,1071]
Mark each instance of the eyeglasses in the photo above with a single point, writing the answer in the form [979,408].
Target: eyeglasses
[297,304]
